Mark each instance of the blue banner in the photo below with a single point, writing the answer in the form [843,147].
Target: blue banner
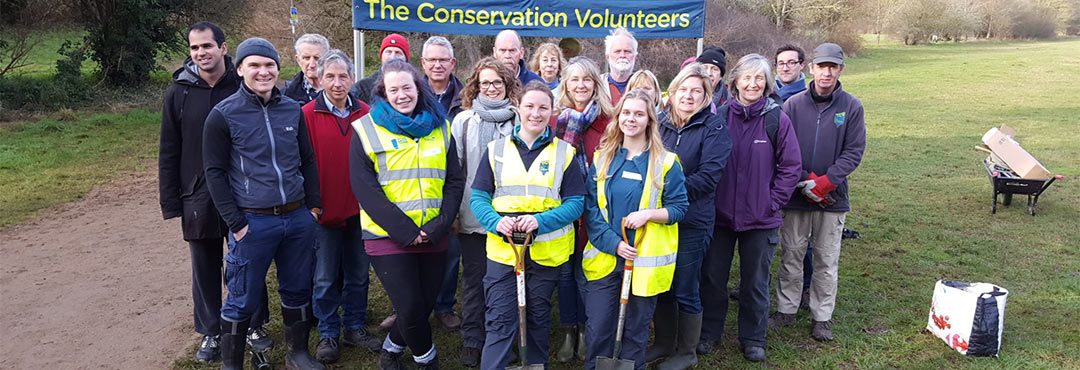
[538,18]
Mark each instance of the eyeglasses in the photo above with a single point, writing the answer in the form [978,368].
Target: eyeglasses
[789,64]
[498,84]
[437,61]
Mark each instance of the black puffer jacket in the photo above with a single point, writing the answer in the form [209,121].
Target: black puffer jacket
[181,182]
[294,89]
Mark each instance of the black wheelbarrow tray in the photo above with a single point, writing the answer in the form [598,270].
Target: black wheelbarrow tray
[1006,183]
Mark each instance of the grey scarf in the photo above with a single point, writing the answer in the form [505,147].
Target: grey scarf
[491,113]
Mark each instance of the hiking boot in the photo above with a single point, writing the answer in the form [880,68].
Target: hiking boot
[754,353]
[664,323]
[388,322]
[298,322]
[232,344]
[390,361]
[449,320]
[470,357]
[707,346]
[259,339]
[779,319]
[566,351]
[327,352]
[209,350]
[687,338]
[360,338]
[822,331]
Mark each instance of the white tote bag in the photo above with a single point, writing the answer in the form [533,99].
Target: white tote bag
[969,317]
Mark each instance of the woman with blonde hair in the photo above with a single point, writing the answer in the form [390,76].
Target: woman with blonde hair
[548,62]
[583,110]
[634,184]
[646,81]
[699,138]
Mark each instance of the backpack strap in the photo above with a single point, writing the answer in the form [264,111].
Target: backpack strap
[772,125]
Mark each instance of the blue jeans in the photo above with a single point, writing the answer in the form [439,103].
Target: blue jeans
[341,278]
[685,290]
[444,303]
[602,300]
[501,319]
[287,240]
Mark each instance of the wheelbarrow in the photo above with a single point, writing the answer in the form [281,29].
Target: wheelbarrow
[614,362]
[1006,183]
[520,242]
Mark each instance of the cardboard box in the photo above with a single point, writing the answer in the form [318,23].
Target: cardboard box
[1001,142]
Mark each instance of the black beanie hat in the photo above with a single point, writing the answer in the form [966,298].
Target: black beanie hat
[256,46]
[716,56]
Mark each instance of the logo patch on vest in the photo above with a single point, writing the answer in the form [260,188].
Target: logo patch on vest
[544,167]
[394,143]
[839,119]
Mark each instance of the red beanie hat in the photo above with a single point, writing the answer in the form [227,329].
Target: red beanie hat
[397,41]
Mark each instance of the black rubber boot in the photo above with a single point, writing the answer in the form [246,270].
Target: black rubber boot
[686,349]
[569,346]
[664,324]
[298,322]
[233,340]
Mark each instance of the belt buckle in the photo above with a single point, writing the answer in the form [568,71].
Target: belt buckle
[278,210]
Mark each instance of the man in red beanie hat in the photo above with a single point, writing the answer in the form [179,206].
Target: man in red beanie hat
[393,46]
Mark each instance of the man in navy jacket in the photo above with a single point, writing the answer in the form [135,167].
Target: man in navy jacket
[260,169]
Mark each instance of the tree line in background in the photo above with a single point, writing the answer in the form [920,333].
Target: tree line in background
[128,37]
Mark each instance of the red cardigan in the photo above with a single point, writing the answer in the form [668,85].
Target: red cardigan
[330,137]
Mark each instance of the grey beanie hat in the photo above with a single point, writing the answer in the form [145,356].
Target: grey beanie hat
[256,46]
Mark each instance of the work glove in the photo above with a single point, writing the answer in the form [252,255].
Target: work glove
[816,188]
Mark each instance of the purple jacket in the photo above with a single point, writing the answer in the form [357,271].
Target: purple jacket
[832,135]
[760,175]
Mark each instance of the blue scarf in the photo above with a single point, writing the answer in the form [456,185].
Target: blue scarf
[795,87]
[415,127]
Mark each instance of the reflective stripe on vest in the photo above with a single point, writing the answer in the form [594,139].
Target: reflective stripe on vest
[654,267]
[411,171]
[530,190]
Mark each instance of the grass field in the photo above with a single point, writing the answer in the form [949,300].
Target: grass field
[921,203]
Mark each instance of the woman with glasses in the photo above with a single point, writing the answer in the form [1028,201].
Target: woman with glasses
[489,99]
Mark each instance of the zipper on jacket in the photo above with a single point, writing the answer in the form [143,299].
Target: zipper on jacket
[247,181]
[273,156]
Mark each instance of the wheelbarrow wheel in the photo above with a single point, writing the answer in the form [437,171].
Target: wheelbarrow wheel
[1006,199]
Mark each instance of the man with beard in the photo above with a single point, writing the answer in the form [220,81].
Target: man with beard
[621,49]
[305,85]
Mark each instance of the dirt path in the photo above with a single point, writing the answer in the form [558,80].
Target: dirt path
[99,283]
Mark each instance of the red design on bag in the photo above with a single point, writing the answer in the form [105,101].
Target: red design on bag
[942,322]
[958,343]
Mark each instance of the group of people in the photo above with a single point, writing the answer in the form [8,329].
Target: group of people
[418,174]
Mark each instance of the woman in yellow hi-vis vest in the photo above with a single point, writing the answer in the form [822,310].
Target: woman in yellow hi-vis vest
[636,183]
[404,171]
[532,183]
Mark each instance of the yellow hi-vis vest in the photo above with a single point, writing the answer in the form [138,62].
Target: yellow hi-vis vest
[654,267]
[530,190]
[411,171]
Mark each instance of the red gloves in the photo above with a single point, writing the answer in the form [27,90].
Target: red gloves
[816,189]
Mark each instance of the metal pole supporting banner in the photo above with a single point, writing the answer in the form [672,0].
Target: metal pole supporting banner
[700,45]
[358,53]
